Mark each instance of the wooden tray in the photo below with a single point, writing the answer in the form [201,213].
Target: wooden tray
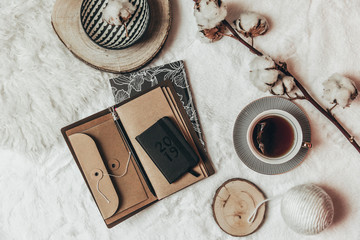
[66,23]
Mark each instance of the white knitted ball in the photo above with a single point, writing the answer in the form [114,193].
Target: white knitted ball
[307,209]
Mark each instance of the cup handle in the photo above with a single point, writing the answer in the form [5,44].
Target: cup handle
[306,145]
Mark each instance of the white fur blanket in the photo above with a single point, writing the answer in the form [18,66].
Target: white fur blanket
[43,87]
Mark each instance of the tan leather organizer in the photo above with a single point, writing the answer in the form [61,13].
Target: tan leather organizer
[120,182]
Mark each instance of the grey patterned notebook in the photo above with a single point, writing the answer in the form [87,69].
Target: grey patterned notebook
[127,85]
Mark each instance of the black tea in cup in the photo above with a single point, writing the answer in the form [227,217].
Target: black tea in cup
[273,136]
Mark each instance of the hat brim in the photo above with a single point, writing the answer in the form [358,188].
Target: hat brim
[66,23]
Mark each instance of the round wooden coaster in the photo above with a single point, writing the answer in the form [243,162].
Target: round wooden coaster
[66,23]
[234,202]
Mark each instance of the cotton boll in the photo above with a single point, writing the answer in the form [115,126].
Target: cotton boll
[127,11]
[200,35]
[278,88]
[263,79]
[263,62]
[343,98]
[339,89]
[117,12]
[289,83]
[111,13]
[263,73]
[213,34]
[284,84]
[345,82]
[251,24]
[328,93]
[209,13]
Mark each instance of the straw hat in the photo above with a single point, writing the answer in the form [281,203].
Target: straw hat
[67,25]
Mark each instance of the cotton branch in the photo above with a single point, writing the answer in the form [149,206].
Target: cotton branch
[210,16]
[305,93]
[251,25]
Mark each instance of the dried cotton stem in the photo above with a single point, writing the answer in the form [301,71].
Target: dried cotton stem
[305,93]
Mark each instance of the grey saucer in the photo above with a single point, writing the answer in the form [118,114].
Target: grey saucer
[243,121]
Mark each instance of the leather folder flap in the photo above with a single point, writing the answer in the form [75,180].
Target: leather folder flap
[95,173]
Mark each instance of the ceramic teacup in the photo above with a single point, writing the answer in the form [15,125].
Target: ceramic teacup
[294,145]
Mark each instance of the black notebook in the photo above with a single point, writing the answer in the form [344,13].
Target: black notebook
[168,149]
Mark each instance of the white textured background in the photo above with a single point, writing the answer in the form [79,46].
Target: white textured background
[42,194]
